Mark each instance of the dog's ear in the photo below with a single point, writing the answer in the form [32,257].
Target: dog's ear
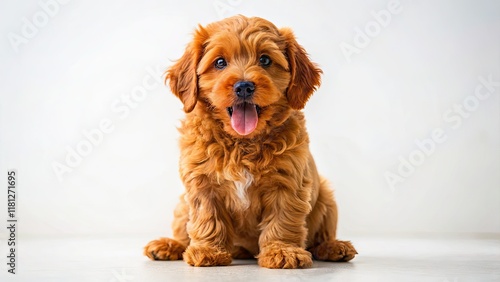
[305,75]
[182,75]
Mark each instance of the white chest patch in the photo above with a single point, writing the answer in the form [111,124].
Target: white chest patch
[241,188]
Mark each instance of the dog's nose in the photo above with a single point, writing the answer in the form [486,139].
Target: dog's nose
[244,89]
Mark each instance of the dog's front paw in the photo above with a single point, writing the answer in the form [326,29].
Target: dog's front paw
[206,256]
[164,249]
[334,251]
[279,255]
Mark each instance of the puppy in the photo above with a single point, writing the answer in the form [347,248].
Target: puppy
[252,188]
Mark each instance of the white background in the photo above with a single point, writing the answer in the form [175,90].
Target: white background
[365,117]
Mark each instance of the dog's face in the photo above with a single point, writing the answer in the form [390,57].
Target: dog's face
[248,73]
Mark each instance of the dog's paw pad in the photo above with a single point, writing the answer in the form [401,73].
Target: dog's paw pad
[284,256]
[334,251]
[164,249]
[206,256]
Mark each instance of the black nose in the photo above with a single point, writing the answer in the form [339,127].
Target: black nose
[244,89]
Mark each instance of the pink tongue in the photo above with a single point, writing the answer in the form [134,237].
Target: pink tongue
[244,119]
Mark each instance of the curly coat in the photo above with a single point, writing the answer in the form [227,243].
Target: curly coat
[256,194]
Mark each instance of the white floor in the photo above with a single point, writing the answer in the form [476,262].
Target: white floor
[453,260]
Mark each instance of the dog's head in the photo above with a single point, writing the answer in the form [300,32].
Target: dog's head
[246,71]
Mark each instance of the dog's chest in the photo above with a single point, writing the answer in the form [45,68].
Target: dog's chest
[241,189]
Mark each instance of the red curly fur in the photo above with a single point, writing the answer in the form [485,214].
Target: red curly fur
[287,214]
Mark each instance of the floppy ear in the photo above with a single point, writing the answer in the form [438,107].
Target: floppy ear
[305,75]
[182,75]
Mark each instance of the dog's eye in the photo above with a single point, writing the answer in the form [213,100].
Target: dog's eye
[220,63]
[265,61]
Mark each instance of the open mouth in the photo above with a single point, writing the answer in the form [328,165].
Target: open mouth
[244,117]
